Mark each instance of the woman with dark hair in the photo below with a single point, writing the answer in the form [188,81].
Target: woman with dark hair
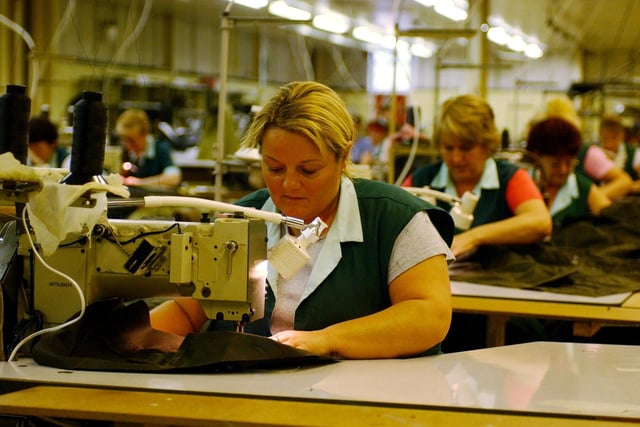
[568,194]
[44,149]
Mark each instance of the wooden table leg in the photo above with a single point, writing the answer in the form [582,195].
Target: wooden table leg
[496,327]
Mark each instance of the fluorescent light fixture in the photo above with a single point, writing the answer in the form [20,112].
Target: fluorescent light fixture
[505,35]
[427,3]
[389,42]
[282,9]
[367,34]
[516,43]
[253,4]
[332,22]
[449,9]
[533,51]
[422,50]
[498,35]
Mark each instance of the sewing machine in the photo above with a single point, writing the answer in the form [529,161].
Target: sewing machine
[220,262]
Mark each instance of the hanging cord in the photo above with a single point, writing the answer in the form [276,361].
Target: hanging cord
[35,73]
[414,147]
[133,36]
[62,26]
[61,274]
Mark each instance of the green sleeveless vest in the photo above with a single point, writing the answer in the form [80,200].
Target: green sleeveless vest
[492,205]
[358,285]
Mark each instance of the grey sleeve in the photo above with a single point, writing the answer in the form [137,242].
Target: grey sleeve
[418,241]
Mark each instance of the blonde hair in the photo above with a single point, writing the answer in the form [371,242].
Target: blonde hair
[133,119]
[306,108]
[562,107]
[468,118]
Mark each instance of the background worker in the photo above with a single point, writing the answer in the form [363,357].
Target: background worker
[44,150]
[592,160]
[568,195]
[146,160]
[625,155]
[510,209]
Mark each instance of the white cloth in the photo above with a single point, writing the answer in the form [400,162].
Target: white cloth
[50,212]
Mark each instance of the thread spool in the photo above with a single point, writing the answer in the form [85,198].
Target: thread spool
[89,139]
[15,109]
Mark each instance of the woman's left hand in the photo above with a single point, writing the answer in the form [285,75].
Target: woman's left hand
[315,342]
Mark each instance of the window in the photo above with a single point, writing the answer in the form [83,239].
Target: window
[381,71]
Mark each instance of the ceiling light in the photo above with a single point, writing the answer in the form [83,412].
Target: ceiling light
[533,51]
[253,4]
[449,9]
[516,43]
[389,42]
[422,50]
[427,3]
[332,22]
[367,34]
[498,35]
[283,10]
[501,33]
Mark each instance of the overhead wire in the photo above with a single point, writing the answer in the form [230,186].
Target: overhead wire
[57,34]
[623,68]
[417,116]
[131,38]
[26,37]
[300,48]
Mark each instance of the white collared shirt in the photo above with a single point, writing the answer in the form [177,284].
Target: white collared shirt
[566,195]
[419,240]
[488,180]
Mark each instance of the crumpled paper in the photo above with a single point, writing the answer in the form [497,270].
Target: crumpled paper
[50,212]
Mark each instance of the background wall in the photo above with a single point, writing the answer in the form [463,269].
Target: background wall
[171,53]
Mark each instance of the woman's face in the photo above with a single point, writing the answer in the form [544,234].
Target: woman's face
[133,139]
[557,169]
[464,160]
[302,182]
[610,139]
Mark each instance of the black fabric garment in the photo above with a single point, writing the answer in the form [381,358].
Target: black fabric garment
[589,256]
[110,337]
[586,256]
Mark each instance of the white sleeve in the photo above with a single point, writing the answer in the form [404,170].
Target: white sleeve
[418,241]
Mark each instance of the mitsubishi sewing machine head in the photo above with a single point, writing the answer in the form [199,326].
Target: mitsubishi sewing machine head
[222,264]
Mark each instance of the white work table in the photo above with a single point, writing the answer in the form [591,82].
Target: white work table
[500,303]
[526,384]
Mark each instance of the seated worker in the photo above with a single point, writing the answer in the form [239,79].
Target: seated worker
[510,208]
[377,283]
[568,195]
[146,161]
[592,160]
[625,155]
[367,149]
[594,163]
[44,150]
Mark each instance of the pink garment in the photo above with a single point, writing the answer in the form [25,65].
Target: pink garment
[596,163]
